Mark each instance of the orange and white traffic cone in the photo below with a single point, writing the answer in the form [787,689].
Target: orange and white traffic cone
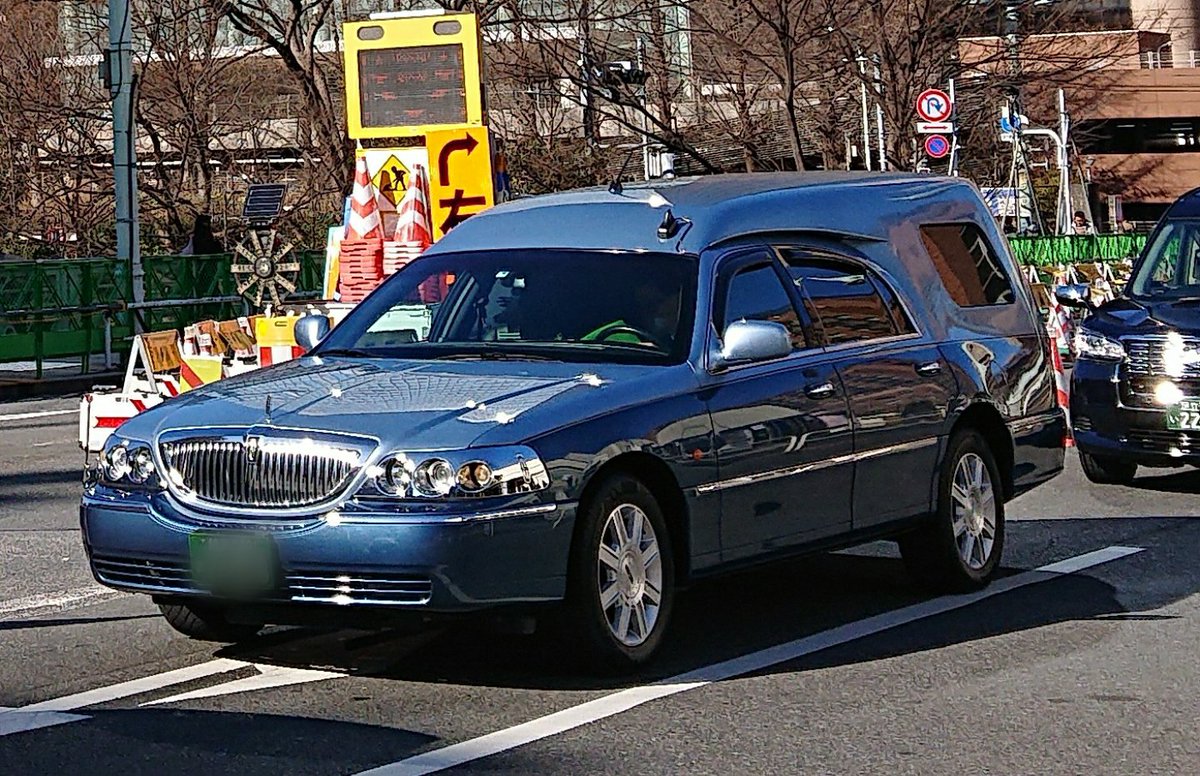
[360,255]
[414,233]
[365,223]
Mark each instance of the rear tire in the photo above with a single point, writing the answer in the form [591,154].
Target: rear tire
[959,550]
[1107,471]
[206,623]
[621,585]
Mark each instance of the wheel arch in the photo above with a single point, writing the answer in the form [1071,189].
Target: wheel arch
[657,476]
[987,420]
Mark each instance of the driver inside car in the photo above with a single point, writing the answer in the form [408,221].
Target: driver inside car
[655,311]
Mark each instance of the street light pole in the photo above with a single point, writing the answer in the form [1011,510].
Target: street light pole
[119,63]
[866,111]
[883,164]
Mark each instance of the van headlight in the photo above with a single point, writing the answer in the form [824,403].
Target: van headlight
[495,471]
[1089,344]
[125,463]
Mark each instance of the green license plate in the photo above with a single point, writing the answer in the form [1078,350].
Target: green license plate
[1184,416]
[233,564]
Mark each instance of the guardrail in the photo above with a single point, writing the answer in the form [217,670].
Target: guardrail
[76,308]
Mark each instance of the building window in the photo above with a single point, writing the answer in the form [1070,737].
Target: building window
[968,265]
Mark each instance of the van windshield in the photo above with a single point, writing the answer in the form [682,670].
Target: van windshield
[1171,270]
[551,304]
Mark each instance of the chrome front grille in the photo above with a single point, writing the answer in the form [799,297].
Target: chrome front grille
[157,575]
[254,470]
[1163,356]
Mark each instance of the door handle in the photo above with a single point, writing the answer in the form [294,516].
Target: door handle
[932,368]
[822,391]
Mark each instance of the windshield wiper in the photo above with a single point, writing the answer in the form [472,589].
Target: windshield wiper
[489,355]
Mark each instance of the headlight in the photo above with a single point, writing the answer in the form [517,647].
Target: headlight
[500,471]
[125,463]
[1089,344]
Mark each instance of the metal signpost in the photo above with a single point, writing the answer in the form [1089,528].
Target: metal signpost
[119,78]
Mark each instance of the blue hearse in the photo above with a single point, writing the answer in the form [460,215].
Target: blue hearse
[574,405]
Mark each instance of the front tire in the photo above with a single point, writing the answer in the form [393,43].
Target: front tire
[621,587]
[960,549]
[1107,471]
[206,623]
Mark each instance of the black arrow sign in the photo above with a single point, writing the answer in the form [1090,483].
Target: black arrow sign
[466,143]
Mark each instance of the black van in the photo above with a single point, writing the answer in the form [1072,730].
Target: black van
[1135,389]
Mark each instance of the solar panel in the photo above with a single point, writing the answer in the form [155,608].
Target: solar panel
[264,201]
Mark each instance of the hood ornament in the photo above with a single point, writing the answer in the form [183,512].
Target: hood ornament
[267,411]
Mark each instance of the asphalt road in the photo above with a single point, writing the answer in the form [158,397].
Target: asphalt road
[832,664]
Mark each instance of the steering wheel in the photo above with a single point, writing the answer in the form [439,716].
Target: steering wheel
[614,329]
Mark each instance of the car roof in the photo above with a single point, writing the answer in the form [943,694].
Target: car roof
[714,209]
[1187,206]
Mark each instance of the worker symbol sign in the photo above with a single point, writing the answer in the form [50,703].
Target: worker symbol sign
[934,105]
[460,176]
[391,180]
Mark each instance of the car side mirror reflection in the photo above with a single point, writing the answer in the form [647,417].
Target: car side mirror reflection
[310,330]
[747,342]
[1074,295]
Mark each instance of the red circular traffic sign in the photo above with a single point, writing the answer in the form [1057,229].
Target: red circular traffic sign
[937,146]
[934,105]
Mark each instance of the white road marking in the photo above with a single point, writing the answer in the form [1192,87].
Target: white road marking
[47,713]
[615,703]
[43,414]
[47,602]
[268,676]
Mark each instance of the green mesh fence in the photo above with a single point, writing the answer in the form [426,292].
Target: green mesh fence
[1042,251]
[60,308]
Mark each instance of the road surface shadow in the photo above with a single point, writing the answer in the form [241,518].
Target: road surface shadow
[1185,481]
[736,614]
[141,742]
[27,624]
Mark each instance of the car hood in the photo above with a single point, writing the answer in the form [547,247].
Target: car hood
[1127,316]
[414,405]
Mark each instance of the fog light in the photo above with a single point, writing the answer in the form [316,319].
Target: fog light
[434,477]
[141,465]
[475,476]
[1168,393]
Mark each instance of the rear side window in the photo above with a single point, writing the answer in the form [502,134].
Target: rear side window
[968,264]
[846,302]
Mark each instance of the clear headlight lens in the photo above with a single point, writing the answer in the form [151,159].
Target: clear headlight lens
[434,477]
[125,463]
[475,476]
[141,465]
[116,463]
[479,473]
[1089,344]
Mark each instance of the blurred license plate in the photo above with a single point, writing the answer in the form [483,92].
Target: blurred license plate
[1184,416]
[233,564]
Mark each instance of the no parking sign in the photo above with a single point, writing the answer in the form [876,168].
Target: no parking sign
[937,146]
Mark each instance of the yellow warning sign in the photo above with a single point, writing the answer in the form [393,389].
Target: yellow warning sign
[391,179]
[460,176]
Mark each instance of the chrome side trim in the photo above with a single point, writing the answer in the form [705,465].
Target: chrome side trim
[792,471]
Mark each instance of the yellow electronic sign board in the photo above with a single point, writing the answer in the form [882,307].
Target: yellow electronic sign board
[410,76]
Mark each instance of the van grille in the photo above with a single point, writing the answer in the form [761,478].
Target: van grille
[1149,356]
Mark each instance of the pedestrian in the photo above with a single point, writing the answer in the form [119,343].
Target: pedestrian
[1080,224]
[202,241]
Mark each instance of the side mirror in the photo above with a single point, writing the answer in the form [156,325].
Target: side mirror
[747,342]
[310,330]
[1075,295]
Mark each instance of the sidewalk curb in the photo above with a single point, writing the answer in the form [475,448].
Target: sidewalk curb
[55,387]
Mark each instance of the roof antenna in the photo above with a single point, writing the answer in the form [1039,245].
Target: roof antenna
[615,187]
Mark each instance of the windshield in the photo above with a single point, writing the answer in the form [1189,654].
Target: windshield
[547,304]
[1171,269]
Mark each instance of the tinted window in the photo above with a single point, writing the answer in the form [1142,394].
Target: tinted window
[968,265]
[756,293]
[1172,266]
[562,305]
[845,301]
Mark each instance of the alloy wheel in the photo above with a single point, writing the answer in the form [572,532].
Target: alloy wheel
[630,575]
[974,511]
